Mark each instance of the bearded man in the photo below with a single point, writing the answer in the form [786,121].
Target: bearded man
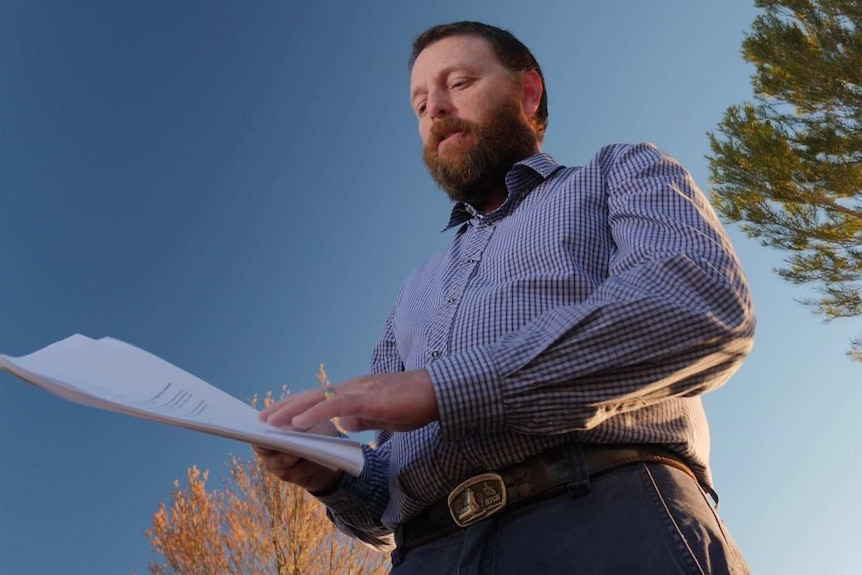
[536,388]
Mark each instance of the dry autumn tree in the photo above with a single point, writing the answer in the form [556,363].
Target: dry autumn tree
[256,524]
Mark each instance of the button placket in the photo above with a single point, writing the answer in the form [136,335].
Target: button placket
[456,282]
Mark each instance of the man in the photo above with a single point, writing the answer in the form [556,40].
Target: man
[537,384]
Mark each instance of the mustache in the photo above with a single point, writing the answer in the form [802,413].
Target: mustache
[447,126]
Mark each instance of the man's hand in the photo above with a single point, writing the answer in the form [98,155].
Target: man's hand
[392,401]
[306,474]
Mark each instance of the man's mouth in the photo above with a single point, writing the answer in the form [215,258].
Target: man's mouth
[451,136]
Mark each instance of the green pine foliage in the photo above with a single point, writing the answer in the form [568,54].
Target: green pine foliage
[788,166]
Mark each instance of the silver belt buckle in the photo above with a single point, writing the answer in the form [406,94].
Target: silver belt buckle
[477,498]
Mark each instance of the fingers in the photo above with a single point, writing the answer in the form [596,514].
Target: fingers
[266,452]
[261,450]
[301,472]
[281,413]
[400,401]
[340,406]
[275,462]
[305,410]
[352,423]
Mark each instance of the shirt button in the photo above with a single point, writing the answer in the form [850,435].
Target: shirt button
[435,355]
[451,300]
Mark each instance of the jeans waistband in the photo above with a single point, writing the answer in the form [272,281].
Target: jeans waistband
[565,468]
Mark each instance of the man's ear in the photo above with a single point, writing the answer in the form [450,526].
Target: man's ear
[532,92]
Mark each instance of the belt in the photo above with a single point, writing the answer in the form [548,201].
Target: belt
[545,475]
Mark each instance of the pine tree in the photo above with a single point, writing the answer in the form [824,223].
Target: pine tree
[788,166]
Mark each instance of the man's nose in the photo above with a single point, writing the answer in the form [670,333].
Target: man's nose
[439,105]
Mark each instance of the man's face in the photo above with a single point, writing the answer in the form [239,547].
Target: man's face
[471,117]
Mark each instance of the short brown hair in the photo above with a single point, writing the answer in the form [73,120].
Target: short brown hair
[511,52]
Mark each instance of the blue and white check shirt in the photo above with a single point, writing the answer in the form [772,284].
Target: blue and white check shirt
[595,305]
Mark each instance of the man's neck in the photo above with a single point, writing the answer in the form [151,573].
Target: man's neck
[494,202]
[501,192]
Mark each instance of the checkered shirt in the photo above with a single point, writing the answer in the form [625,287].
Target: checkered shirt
[595,305]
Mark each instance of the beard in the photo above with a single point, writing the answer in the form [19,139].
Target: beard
[475,172]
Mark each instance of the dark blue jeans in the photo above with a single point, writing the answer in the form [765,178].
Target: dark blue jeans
[642,518]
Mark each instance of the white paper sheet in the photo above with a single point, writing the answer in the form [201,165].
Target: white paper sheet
[116,376]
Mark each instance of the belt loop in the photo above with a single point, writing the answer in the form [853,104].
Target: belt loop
[579,475]
[712,493]
[397,555]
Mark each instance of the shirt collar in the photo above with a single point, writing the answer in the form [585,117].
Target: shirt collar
[541,164]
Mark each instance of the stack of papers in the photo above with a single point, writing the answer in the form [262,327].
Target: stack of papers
[116,376]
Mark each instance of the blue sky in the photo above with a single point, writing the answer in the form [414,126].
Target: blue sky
[238,188]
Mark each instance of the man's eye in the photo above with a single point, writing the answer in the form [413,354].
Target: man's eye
[420,109]
[460,83]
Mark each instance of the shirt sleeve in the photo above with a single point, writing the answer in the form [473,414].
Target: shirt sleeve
[357,506]
[672,319]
